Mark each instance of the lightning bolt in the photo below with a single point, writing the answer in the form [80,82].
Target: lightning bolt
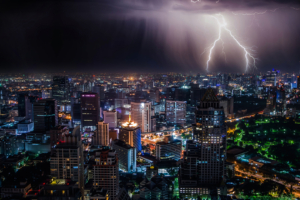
[223,51]
[223,26]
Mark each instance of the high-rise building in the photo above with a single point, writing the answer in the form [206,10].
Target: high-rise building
[89,110]
[154,96]
[168,149]
[110,117]
[45,114]
[131,135]
[75,112]
[99,89]
[61,89]
[141,114]
[8,145]
[56,135]
[126,155]
[101,136]
[67,159]
[119,103]
[176,112]
[25,105]
[22,100]
[271,78]
[106,171]
[280,106]
[203,167]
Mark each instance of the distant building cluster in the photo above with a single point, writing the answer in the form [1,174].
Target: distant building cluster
[130,136]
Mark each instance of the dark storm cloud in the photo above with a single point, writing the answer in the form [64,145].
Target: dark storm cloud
[143,35]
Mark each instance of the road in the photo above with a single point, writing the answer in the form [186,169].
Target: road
[239,118]
[296,188]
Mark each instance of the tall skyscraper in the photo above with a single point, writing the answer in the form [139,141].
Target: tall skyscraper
[101,136]
[25,105]
[131,134]
[61,89]
[126,155]
[67,159]
[119,103]
[141,114]
[22,99]
[175,112]
[298,82]
[106,171]
[110,117]
[203,169]
[75,112]
[45,114]
[280,107]
[99,89]
[90,110]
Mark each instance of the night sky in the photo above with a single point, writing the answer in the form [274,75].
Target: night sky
[145,35]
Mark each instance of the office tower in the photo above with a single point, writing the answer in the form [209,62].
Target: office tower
[45,114]
[67,159]
[131,135]
[298,82]
[154,96]
[126,155]
[183,94]
[25,105]
[119,103]
[176,112]
[101,136]
[22,101]
[8,145]
[280,106]
[141,114]
[203,167]
[227,104]
[168,149]
[89,110]
[75,112]
[61,89]
[271,78]
[56,135]
[110,117]
[106,171]
[99,89]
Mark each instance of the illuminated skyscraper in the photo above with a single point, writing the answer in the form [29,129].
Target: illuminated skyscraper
[110,117]
[45,114]
[176,112]
[131,135]
[67,159]
[280,106]
[61,89]
[141,114]
[89,110]
[203,169]
[101,136]
[106,171]
[126,155]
